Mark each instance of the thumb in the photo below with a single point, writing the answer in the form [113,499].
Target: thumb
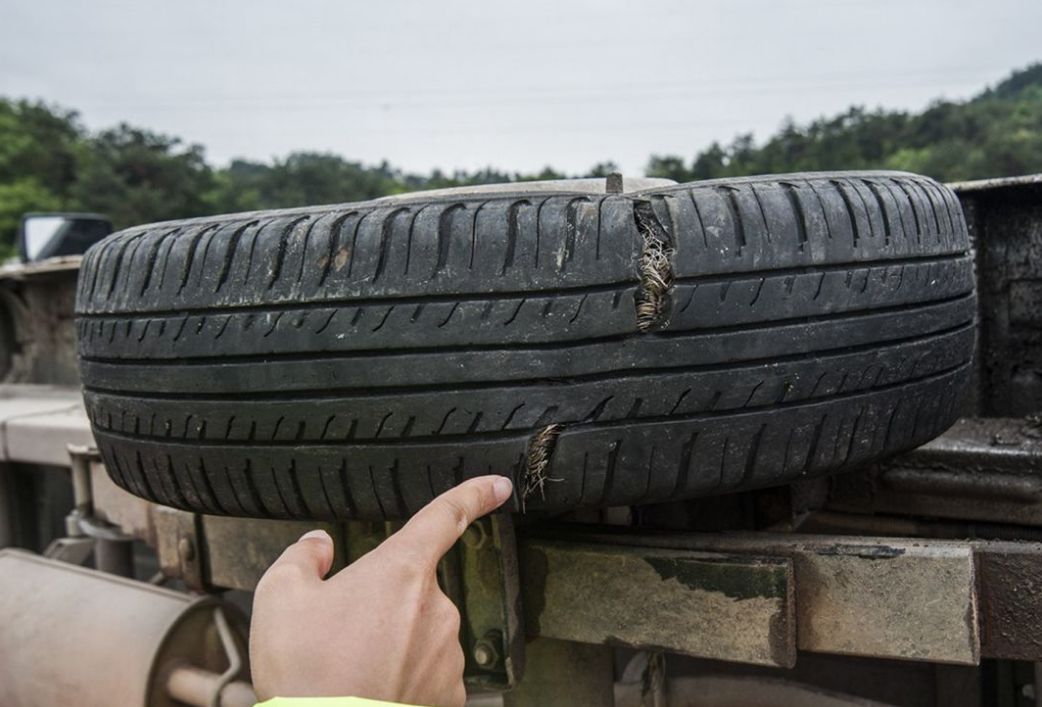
[311,556]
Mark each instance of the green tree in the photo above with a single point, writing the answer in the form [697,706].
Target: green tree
[997,133]
[49,161]
[136,176]
[668,167]
[40,143]
[19,197]
[602,169]
[38,162]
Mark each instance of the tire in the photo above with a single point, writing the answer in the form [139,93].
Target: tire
[353,361]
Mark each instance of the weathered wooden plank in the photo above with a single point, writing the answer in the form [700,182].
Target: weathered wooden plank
[896,600]
[695,603]
[900,598]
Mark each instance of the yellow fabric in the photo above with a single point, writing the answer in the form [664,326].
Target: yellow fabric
[325,702]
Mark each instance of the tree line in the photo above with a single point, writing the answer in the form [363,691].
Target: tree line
[50,162]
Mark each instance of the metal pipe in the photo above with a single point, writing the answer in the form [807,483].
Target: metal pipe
[114,557]
[198,687]
[79,465]
[106,640]
[6,507]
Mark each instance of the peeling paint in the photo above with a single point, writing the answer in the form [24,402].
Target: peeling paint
[734,581]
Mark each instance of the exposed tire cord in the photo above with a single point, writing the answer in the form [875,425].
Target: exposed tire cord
[352,361]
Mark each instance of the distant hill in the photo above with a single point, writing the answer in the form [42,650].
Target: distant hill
[50,161]
[997,133]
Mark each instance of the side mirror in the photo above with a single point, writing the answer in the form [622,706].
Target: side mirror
[51,235]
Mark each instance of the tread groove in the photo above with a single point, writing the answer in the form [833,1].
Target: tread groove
[691,334]
[361,393]
[707,414]
[229,254]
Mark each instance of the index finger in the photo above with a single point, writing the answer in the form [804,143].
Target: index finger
[437,526]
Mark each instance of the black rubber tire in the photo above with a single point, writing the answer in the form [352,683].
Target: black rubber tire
[356,360]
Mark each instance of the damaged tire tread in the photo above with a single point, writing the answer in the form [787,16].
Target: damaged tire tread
[355,360]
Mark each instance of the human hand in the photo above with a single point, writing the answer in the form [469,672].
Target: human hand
[381,628]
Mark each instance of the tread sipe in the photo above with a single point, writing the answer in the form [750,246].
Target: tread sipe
[356,360]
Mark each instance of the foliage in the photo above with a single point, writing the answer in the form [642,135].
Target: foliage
[19,197]
[135,176]
[50,162]
[998,133]
[40,143]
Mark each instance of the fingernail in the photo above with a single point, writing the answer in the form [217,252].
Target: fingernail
[502,487]
[316,535]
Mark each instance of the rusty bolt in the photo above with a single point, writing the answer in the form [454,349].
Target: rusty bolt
[486,650]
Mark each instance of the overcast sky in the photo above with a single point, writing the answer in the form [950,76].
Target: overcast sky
[519,85]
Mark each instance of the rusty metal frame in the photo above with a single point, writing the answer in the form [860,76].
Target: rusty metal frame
[982,469]
[757,598]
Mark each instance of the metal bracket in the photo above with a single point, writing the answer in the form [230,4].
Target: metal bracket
[177,545]
[231,651]
[480,576]
[492,629]
[195,686]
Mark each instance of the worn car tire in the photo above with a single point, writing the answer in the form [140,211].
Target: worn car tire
[603,349]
